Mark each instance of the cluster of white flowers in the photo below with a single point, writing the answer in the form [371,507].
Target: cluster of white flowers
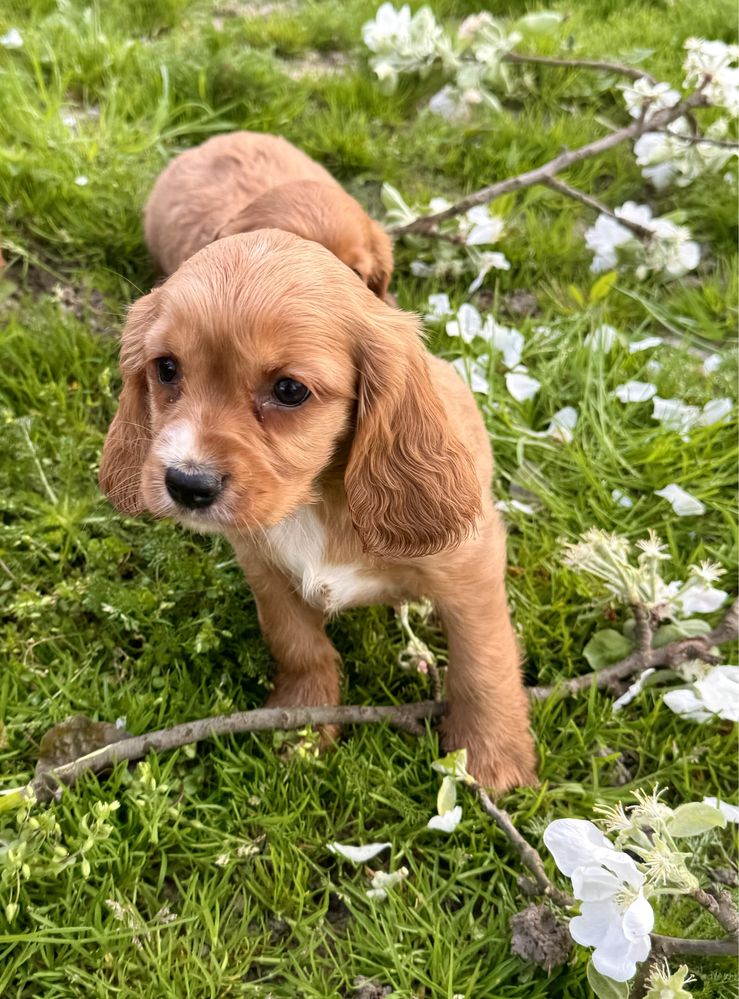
[670,251]
[675,156]
[607,557]
[713,693]
[472,57]
[616,917]
[713,66]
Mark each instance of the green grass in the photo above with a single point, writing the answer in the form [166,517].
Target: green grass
[118,618]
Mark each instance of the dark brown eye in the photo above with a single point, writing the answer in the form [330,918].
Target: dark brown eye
[288,392]
[166,369]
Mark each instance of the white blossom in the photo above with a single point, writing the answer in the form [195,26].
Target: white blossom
[506,340]
[615,916]
[714,695]
[683,503]
[715,411]
[604,239]
[402,43]
[81,181]
[669,251]
[713,66]
[698,598]
[647,98]
[483,228]
[635,391]
[521,385]
[674,414]
[602,338]
[382,881]
[712,363]
[674,157]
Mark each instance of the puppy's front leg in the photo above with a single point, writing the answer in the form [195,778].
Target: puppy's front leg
[488,706]
[307,663]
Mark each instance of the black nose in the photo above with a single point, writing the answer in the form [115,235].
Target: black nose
[194,490]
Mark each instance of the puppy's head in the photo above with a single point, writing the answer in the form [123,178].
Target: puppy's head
[253,372]
[326,214]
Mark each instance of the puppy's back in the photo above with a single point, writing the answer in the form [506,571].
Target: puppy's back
[204,187]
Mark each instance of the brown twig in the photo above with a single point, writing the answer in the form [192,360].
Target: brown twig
[587,199]
[529,856]
[669,946]
[721,906]
[633,72]
[696,140]
[540,175]
[404,716]
[644,630]
[669,655]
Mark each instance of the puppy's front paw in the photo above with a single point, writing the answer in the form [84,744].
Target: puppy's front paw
[289,693]
[496,766]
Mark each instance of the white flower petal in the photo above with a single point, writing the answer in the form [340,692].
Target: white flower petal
[712,363]
[572,841]
[682,502]
[715,411]
[12,39]
[719,692]
[730,811]
[675,414]
[594,884]
[507,505]
[508,341]
[622,865]
[81,181]
[699,598]
[638,920]
[619,962]
[439,307]
[358,854]
[467,325]
[596,922]
[563,423]
[620,497]
[636,391]
[448,822]
[684,702]
[521,387]
[646,344]
[636,688]
[602,338]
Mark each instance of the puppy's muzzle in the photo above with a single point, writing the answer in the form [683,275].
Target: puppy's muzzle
[193,490]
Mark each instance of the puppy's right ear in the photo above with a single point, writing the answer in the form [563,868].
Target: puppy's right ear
[129,435]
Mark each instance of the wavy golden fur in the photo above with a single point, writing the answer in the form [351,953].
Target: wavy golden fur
[245,181]
[375,489]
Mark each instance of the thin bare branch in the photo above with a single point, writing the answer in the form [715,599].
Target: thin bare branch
[633,72]
[525,850]
[567,158]
[721,906]
[698,140]
[669,946]
[587,199]
[669,655]
[404,716]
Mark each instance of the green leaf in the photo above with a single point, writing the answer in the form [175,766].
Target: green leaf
[606,988]
[695,818]
[576,295]
[392,198]
[606,647]
[453,765]
[679,629]
[542,22]
[602,287]
[446,799]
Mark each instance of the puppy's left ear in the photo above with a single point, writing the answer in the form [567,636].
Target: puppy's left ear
[410,484]
[382,263]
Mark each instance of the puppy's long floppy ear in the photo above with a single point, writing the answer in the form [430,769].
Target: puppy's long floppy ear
[129,435]
[410,483]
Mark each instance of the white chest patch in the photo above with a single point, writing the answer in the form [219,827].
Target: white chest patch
[298,546]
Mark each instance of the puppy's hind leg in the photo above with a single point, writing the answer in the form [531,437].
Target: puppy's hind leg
[308,666]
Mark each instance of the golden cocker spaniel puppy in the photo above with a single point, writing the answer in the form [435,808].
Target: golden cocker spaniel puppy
[245,181]
[269,396]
